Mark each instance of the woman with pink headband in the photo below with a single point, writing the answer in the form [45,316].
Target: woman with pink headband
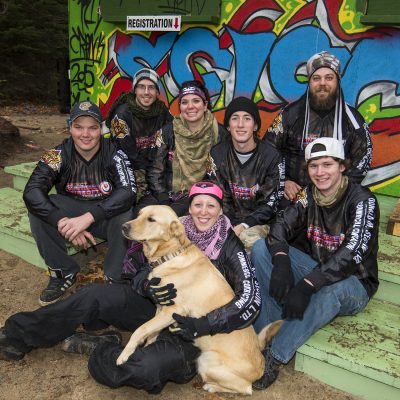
[172,357]
[181,149]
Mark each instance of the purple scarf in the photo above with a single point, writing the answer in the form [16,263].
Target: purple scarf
[210,242]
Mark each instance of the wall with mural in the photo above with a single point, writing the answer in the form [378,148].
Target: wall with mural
[259,50]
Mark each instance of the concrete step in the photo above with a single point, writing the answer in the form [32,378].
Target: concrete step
[15,233]
[358,354]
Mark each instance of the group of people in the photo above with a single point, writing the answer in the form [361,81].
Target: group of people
[298,189]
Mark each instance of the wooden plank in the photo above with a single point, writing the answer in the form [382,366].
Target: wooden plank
[350,382]
[366,344]
[393,225]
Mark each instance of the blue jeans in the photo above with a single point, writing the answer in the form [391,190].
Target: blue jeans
[346,297]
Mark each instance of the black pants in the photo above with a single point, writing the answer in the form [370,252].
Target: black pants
[97,306]
[52,246]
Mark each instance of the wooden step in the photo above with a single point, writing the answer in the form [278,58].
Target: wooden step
[393,226]
[388,255]
[15,233]
[358,354]
[20,173]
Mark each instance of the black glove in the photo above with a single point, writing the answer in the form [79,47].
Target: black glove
[162,295]
[189,328]
[282,279]
[297,300]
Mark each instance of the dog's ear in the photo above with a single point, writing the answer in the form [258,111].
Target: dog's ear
[176,229]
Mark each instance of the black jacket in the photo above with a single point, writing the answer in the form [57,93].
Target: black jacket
[107,180]
[342,238]
[286,133]
[135,135]
[253,190]
[235,266]
[159,175]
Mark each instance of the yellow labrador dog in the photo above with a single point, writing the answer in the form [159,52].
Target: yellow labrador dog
[228,362]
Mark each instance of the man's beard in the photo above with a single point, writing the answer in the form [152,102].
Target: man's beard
[325,104]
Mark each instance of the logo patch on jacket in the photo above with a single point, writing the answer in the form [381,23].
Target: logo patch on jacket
[276,126]
[302,198]
[105,187]
[119,128]
[158,140]
[324,239]
[242,192]
[211,168]
[52,158]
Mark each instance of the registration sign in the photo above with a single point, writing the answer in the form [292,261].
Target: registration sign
[153,23]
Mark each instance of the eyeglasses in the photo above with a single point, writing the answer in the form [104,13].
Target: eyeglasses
[150,88]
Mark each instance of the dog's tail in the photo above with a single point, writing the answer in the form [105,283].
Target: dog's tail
[268,332]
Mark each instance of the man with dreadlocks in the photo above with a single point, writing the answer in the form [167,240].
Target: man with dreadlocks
[320,112]
[134,120]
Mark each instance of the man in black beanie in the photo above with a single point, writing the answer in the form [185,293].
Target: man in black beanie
[320,112]
[250,171]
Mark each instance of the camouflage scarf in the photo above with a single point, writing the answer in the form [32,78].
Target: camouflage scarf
[191,151]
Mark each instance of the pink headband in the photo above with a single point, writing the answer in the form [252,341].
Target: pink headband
[208,188]
[192,90]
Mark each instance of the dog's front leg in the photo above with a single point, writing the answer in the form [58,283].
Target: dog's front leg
[155,325]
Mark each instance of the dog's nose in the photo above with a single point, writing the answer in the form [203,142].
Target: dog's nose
[125,229]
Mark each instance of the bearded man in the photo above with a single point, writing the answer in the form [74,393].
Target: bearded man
[320,112]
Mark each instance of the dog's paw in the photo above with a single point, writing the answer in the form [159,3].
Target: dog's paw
[209,387]
[122,359]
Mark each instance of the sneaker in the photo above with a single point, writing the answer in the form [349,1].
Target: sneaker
[7,351]
[57,287]
[271,371]
[84,342]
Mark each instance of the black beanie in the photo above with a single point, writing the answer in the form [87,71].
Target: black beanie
[242,104]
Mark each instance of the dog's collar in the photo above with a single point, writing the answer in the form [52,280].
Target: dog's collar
[168,257]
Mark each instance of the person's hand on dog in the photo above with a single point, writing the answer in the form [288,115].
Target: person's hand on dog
[282,279]
[189,328]
[162,295]
[297,300]
[72,227]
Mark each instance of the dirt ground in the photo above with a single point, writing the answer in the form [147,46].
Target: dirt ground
[48,374]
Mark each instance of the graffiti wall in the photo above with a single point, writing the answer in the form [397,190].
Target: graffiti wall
[258,50]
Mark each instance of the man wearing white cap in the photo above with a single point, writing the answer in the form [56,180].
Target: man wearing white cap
[320,257]
[134,120]
[320,112]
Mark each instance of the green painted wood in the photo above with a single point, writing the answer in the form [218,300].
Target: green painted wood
[379,12]
[20,173]
[350,382]
[15,233]
[367,344]
[388,254]
[24,169]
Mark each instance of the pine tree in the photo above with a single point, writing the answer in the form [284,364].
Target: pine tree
[33,43]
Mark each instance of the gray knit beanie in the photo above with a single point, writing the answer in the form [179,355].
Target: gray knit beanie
[146,73]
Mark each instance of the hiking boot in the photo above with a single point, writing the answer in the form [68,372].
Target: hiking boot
[57,287]
[271,371]
[7,351]
[84,342]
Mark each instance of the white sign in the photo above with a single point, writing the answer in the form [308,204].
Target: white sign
[153,23]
